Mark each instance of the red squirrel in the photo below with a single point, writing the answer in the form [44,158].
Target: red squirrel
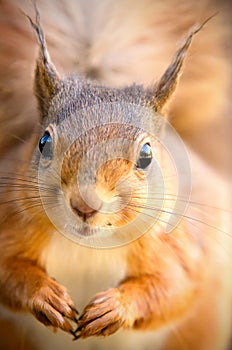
[97,174]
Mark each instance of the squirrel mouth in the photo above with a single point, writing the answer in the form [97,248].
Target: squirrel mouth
[87,230]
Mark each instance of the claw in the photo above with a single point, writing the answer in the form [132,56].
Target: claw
[73,334]
[74,309]
[78,328]
[76,337]
[80,317]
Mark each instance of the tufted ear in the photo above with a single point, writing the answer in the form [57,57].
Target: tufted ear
[165,87]
[47,80]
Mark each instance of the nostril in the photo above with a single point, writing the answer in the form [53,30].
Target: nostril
[84,213]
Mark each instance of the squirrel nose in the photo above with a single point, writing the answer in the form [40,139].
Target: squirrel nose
[83,211]
[87,203]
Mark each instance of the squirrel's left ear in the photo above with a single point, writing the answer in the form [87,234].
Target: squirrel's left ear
[159,94]
[47,81]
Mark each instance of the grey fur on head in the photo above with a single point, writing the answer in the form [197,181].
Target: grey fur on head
[48,82]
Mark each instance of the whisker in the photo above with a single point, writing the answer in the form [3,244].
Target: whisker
[38,205]
[181,216]
[32,198]
[19,187]
[176,198]
[179,228]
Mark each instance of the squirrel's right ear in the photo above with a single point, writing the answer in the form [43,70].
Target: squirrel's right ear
[47,81]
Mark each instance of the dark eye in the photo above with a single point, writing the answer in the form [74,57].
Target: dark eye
[145,157]
[45,145]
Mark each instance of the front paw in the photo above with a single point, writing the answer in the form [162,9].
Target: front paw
[52,305]
[103,316]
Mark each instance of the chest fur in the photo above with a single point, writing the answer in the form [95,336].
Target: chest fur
[84,271]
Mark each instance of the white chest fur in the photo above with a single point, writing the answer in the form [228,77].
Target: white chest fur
[84,271]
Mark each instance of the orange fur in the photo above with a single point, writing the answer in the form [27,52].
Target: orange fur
[159,281]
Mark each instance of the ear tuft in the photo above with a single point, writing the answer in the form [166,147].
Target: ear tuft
[166,86]
[47,80]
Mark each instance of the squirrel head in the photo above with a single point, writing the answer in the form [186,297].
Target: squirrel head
[99,154]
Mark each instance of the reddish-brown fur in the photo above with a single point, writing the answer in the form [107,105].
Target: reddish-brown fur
[169,281]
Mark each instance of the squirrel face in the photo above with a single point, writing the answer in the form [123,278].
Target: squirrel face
[98,158]
[97,149]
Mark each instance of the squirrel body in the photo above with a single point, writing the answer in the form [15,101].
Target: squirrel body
[96,170]
[85,273]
